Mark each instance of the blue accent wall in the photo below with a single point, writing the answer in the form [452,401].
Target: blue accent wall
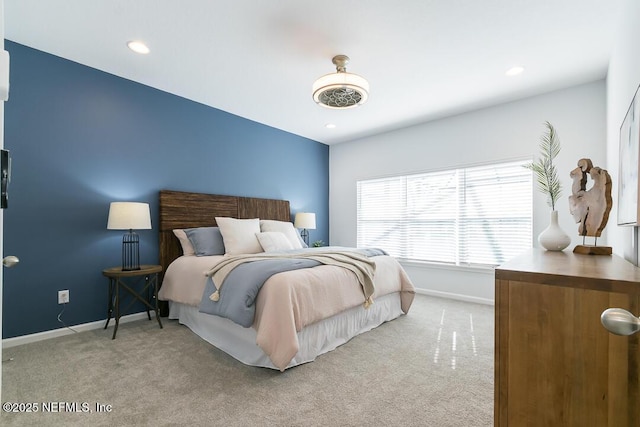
[81,138]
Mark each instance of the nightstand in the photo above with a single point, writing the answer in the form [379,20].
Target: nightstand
[128,280]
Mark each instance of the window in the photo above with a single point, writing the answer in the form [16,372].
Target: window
[478,215]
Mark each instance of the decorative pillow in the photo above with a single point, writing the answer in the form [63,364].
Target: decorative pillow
[239,235]
[285,228]
[274,241]
[187,247]
[206,240]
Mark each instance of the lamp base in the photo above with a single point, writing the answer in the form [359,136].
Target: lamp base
[130,251]
[305,236]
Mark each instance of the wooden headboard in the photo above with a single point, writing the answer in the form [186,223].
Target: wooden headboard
[180,209]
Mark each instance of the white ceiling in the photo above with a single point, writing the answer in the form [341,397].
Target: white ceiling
[424,59]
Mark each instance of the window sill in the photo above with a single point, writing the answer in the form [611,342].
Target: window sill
[439,266]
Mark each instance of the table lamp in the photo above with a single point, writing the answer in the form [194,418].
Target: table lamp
[306,221]
[129,216]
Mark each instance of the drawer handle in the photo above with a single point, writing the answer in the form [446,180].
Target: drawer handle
[620,322]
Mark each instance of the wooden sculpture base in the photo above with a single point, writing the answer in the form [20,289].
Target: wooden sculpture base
[592,250]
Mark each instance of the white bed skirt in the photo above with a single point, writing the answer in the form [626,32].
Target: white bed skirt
[316,339]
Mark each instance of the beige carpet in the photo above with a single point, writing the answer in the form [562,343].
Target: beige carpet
[433,367]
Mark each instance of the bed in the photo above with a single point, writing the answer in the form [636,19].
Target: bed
[298,314]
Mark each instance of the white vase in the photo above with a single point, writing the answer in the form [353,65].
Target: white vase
[553,238]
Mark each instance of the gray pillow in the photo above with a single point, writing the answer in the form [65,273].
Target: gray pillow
[206,240]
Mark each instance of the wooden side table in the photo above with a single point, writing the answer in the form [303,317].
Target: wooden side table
[118,279]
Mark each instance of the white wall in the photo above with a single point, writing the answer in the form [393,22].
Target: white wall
[505,132]
[623,79]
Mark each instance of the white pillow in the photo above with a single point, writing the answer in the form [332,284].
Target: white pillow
[274,241]
[239,235]
[187,247]
[285,228]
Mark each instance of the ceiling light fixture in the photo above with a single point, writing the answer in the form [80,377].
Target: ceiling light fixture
[340,90]
[514,71]
[138,47]
[330,126]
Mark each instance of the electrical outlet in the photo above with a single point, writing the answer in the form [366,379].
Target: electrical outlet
[63,296]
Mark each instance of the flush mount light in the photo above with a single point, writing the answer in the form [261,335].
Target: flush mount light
[340,90]
[514,71]
[138,47]
[330,126]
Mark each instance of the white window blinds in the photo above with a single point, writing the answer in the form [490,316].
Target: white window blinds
[479,215]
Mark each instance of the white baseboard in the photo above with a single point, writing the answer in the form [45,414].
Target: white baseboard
[458,297]
[41,336]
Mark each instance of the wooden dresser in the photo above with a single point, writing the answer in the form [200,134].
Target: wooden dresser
[555,364]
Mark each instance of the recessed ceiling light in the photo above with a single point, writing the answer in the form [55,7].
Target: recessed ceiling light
[514,71]
[330,126]
[138,47]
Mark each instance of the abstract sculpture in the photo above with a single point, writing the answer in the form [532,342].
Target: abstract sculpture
[590,208]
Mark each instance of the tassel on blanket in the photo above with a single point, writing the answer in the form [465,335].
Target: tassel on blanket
[215,296]
[368,302]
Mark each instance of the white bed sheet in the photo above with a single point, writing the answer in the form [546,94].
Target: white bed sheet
[315,339]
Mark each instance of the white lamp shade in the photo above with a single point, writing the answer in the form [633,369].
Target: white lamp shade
[305,220]
[129,216]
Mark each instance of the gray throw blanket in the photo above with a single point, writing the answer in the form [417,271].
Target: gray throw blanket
[237,298]
[244,275]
